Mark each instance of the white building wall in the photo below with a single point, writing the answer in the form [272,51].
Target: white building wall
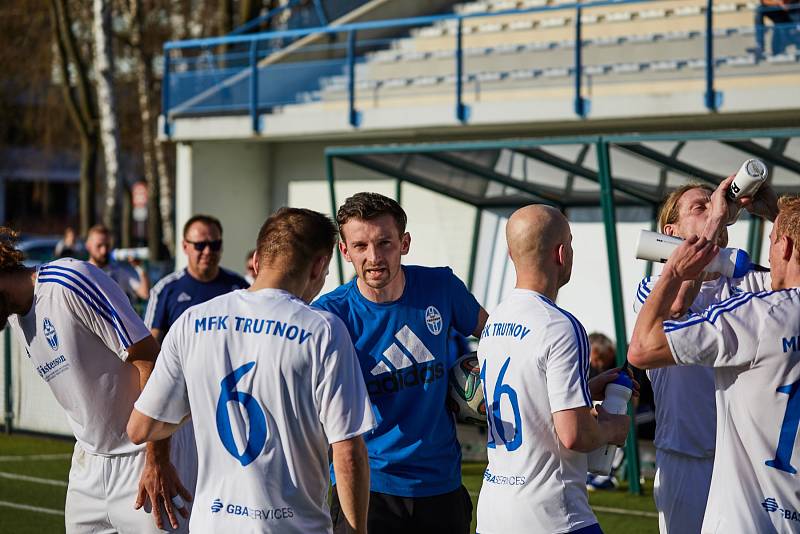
[229,180]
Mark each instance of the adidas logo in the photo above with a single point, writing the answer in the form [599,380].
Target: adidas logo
[406,363]
[184,297]
[397,359]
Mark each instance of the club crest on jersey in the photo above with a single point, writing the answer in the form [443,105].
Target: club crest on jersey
[433,319]
[50,333]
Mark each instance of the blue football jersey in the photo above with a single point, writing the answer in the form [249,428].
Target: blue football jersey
[402,348]
[179,291]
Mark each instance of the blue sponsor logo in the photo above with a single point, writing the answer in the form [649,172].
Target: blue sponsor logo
[771,506]
[244,511]
[50,333]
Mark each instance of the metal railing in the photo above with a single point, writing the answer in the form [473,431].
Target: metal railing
[260,72]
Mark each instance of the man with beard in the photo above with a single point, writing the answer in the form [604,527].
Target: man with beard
[684,395]
[84,339]
[399,318]
[132,279]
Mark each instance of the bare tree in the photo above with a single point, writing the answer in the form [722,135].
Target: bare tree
[80,105]
[106,99]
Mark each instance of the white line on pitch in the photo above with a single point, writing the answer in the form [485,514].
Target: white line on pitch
[25,458]
[31,508]
[621,511]
[608,510]
[37,480]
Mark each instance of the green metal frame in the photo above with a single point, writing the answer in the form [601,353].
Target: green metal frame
[633,143]
[9,406]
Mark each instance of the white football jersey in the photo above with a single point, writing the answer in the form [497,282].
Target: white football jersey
[77,335]
[684,396]
[752,342]
[534,362]
[270,383]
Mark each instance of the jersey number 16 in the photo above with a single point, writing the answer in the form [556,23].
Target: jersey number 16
[493,417]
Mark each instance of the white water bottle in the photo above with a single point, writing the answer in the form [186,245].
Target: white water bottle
[729,262]
[748,180]
[138,253]
[618,393]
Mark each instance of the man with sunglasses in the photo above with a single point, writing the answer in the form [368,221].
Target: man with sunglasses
[202,280]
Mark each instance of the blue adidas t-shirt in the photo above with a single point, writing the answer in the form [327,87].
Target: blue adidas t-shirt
[179,291]
[403,351]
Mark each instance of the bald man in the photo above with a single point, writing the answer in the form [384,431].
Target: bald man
[534,366]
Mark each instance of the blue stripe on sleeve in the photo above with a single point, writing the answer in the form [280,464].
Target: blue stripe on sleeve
[93,291]
[44,280]
[582,341]
[712,313]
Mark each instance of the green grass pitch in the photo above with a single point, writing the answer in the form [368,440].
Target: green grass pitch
[33,475]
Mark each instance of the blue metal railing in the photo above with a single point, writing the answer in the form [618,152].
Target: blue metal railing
[251,76]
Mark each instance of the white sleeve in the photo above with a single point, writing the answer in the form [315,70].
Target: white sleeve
[344,407]
[645,287]
[98,302]
[165,397]
[724,335]
[567,365]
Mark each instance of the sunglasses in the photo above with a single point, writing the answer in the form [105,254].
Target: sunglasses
[200,246]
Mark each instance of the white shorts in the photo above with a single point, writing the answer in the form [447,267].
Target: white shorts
[681,491]
[102,492]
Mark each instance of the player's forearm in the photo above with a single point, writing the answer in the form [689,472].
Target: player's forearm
[648,347]
[143,291]
[578,430]
[351,466]
[686,295]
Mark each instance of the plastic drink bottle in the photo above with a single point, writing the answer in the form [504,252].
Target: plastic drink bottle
[618,393]
[138,253]
[730,262]
[751,175]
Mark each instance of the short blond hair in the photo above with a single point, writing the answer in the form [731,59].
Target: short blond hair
[788,221]
[668,213]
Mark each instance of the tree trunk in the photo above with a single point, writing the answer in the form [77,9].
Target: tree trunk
[86,196]
[80,106]
[109,130]
[144,86]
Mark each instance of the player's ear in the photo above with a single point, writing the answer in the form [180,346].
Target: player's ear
[255,263]
[561,255]
[788,247]
[319,267]
[343,250]
[669,229]
[405,243]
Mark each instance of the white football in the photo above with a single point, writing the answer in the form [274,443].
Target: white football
[465,392]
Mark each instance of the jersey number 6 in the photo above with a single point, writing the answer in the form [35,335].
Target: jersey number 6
[258,421]
[493,417]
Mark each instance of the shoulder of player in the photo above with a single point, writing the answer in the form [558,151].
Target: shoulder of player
[336,301]
[420,271]
[68,275]
[559,321]
[168,282]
